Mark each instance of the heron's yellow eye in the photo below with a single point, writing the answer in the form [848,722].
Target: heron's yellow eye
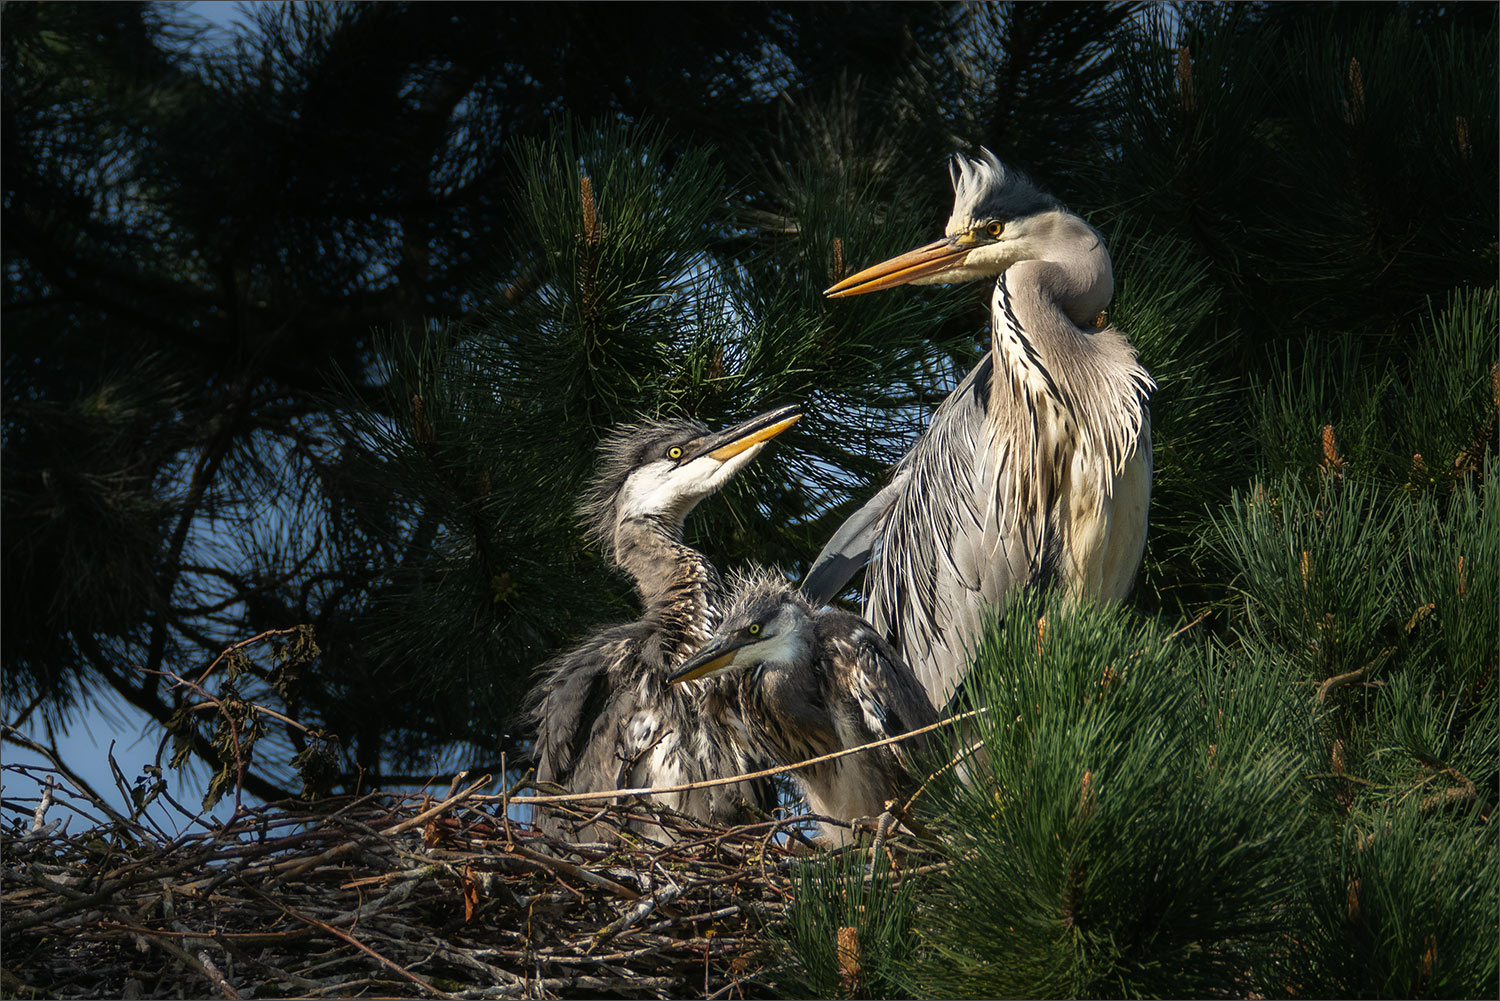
[675,452]
[994,229]
[754,629]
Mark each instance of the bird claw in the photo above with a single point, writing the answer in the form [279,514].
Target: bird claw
[882,825]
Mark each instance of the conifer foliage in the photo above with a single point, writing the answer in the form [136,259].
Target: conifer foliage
[1276,773]
[345,394]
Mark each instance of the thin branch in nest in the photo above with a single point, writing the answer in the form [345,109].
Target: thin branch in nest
[323,926]
[42,807]
[583,797]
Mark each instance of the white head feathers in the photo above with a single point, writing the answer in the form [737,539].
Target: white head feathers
[984,188]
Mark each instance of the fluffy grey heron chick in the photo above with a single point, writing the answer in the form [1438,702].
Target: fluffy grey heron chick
[1036,470]
[812,684]
[604,715]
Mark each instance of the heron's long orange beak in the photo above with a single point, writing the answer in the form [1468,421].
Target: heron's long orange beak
[753,432]
[936,257]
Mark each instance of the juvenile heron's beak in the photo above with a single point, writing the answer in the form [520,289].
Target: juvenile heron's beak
[728,443]
[935,258]
[717,656]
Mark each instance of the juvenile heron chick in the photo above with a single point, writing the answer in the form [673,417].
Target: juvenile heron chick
[604,714]
[811,684]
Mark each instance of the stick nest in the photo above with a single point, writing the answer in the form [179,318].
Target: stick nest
[389,895]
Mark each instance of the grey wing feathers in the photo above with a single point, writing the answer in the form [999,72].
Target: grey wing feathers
[892,700]
[850,548]
[605,720]
[572,696]
[948,550]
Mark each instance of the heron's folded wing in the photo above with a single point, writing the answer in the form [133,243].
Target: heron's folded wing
[891,698]
[570,696]
[851,545]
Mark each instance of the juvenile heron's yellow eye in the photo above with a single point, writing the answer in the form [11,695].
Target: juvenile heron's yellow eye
[994,229]
[675,452]
[754,629]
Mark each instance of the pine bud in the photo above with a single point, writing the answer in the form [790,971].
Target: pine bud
[1087,800]
[1185,80]
[1424,610]
[1356,93]
[1333,463]
[503,587]
[421,426]
[849,960]
[590,216]
[1337,763]
[838,259]
[1354,901]
[586,285]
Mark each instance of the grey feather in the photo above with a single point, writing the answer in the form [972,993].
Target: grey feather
[985,188]
[850,548]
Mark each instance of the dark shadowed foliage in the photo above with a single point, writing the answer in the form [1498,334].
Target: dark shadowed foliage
[309,341]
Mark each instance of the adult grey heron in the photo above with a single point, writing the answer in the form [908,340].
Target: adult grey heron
[604,715]
[1036,470]
[811,684]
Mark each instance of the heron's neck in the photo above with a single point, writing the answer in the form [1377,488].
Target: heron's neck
[1080,386]
[669,575]
[1078,276]
[1047,305]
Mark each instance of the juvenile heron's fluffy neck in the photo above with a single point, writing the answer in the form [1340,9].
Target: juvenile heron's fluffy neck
[667,573]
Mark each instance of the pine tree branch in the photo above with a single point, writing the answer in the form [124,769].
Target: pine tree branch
[204,471]
[1338,681]
[1179,631]
[243,589]
[1465,792]
[25,714]
[61,271]
[144,699]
